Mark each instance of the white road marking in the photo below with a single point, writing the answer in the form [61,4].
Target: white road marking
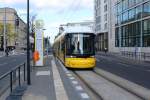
[84,95]
[59,87]
[75,82]
[79,88]
[69,74]
[72,78]
[39,73]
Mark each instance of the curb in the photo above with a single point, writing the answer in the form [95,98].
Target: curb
[138,90]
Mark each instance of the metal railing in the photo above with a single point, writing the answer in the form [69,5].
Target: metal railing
[136,55]
[13,77]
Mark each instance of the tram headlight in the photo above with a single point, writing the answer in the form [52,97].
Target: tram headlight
[92,56]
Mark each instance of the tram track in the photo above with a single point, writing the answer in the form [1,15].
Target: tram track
[133,88]
[111,82]
[87,85]
[99,90]
[119,85]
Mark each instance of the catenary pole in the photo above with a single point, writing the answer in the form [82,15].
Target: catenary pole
[28,47]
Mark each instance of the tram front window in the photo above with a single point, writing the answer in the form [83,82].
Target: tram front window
[80,44]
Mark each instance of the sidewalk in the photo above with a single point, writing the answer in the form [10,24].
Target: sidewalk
[123,58]
[1,54]
[42,87]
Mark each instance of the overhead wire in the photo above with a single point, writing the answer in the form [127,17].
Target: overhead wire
[76,8]
[69,14]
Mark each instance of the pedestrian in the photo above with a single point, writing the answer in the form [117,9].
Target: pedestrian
[105,50]
[7,52]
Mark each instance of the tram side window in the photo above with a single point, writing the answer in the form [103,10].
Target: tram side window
[63,46]
[69,46]
[87,45]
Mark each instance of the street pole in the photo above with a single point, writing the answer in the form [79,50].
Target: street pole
[4,34]
[28,47]
[47,45]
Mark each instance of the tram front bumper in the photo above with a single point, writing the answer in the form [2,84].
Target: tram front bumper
[80,62]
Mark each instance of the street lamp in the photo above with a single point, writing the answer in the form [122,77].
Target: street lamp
[28,47]
[4,33]
[47,44]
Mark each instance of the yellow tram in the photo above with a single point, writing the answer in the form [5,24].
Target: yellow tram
[75,47]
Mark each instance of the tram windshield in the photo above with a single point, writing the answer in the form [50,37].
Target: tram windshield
[80,44]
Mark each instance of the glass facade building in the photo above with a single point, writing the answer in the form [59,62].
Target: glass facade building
[132,27]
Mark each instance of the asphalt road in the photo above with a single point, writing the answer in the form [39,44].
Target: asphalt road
[135,72]
[8,63]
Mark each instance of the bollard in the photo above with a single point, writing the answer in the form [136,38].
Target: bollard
[24,71]
[11,79]
[19,76]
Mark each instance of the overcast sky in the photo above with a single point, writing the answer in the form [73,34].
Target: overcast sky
[54,12]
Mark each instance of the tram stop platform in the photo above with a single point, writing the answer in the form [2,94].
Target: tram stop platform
[54,82]
[42,84]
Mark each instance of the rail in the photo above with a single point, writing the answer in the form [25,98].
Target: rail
[12,74]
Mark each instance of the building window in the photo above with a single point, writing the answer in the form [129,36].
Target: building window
[98,28]
[96,12]
[138,12]
[124,4]
[119,8]
[105,8]
[131,3]
[130,35]
[119,19]
[125,17]
[124,36]
[97,3]
[105,17]
[146,9]
[105,26]
[98,19]
[132,14]
[138,1]
[117,37]
[146,33]
[116,20]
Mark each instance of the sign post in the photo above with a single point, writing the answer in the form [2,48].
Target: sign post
[39,42]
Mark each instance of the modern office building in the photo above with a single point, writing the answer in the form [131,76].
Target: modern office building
[15,34]
[128,25]
[132,27]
